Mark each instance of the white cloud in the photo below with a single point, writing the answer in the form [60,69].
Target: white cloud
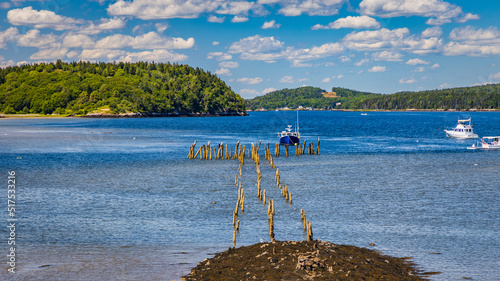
[361,22]
[150,40]
[270,24]
[33,38]
[7,36]
[229,64]
[287,79]
[160,27]
[435,31]
[344,59]
[269,49]
[473,42]
[249,93]
[420,69]
[459,49]
[41,19]
[78,41]
[471,35]
[438,11]
[216,19]
[251,81]
[361,62]
[399,39]
[155,55]
[215,43]
[147,10]
[434,66]
[6,63]
[387,56]
[467,17]
[268,90]
[49,54]
[237,19]
[223,71]
[407,81]
[326,80]
[416,61]
[256,44]
[377,69]
[445,85]
[235,7]
[294,8]
[96,54]
[495,76]
[219,56]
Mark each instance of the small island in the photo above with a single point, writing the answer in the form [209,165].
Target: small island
[121,89]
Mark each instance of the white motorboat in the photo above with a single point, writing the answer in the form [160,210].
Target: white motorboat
[463,130]
[490,142]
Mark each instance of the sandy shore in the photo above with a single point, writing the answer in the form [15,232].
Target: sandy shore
[315,260]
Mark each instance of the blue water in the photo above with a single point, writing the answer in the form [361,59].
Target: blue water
[117,199]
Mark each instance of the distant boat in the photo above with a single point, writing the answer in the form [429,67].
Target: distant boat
[289,137]
[488,143]
[463,130]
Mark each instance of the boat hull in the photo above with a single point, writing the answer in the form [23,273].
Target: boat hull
[460,135]
[290,140]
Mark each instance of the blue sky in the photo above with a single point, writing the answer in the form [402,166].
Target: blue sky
[258,46]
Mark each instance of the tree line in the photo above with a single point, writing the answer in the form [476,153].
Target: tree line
[78,88]
[466,98]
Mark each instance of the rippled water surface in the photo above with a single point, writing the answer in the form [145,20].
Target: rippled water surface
[117,199]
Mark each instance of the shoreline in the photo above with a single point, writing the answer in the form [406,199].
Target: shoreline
[122,115]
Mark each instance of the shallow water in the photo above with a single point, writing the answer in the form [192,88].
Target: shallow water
[117,198]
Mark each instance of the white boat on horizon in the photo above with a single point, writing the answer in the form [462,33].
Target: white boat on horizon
[488,143]
[463,130]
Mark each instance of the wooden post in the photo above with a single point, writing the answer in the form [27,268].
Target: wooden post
[318,146]
[286,150]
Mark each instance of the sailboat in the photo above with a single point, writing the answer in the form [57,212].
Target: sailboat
[290,137]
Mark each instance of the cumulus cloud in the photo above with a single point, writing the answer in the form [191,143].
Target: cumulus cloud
[246,80]
[473,42]
[256,44]
[229,64]
[416,61]
[294,8]
[41,19]
[33,38]
[387,56]
[495,76]
[362,22]
[8,35]
[150,40]
[96,54]
[223,71]
[372,40]
[249,93]
[270,24]
[434,66]
[287,79]
[155,55]
[219,56]
[435,31]
[237,19]
[49,54]
[439,12]
[407,81]
[215,19]
[377,69]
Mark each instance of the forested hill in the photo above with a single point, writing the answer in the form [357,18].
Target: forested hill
[479,97]
[142,88]
[307,97]
[486,97]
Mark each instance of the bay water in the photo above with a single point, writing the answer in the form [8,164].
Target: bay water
[117,199]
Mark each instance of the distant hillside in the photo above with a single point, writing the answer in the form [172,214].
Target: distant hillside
[142,88]
[486,97]
[466,98]
[307,97]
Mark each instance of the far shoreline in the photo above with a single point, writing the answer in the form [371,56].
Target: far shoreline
[234,114]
